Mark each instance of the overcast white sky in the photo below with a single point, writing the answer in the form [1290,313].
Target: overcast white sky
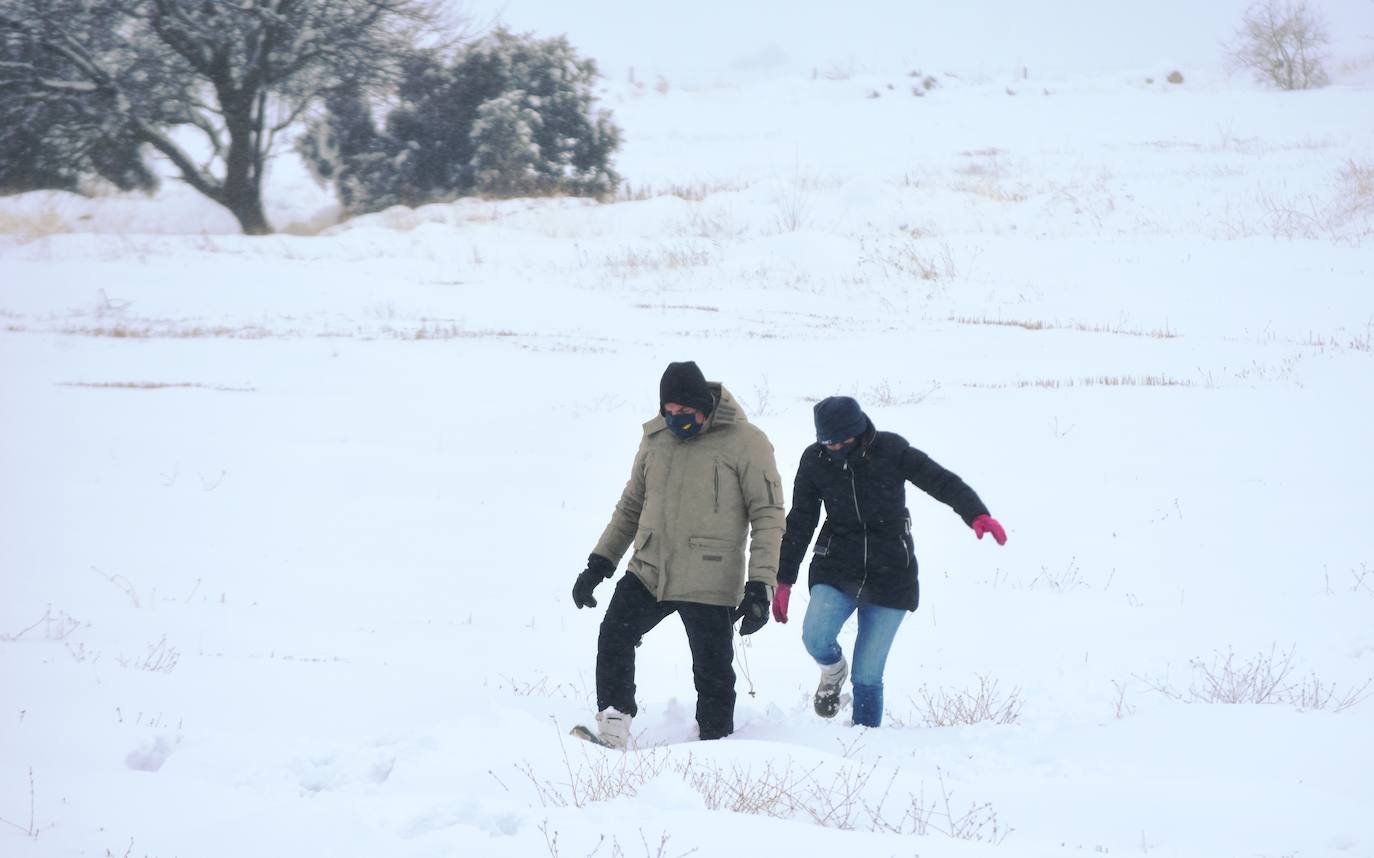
[706,40]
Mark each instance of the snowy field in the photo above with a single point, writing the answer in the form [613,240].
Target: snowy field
[290,523]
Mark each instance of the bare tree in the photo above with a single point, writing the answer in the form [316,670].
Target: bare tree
[1283,42]
[234,73]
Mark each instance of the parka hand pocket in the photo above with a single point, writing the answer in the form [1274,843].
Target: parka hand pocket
[711,550]
[646,549]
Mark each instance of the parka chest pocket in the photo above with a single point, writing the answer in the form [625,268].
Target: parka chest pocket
[724,486]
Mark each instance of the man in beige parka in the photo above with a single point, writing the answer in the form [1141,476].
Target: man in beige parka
[703,480]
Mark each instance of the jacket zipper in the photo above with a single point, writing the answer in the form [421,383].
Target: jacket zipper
[717,480]
[853,487]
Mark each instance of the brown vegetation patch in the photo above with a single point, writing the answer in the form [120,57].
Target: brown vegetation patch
[1164,333]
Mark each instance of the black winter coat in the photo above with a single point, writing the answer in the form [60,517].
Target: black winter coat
[865,547]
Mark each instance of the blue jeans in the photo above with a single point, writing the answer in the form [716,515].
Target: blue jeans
[827,612]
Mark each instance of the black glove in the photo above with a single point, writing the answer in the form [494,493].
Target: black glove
[753,611]
[598,570]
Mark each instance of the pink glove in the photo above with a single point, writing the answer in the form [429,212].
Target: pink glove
[987,524]
[782,594]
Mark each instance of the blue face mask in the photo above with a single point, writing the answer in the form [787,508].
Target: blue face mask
[843,453]
[683,426]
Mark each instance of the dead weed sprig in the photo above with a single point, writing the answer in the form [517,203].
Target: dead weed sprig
[692,192]
[659,850]
[1164,333]
[153,385]
[937,815]
[542,688]
[834,799]
[1267,678]
[55,627]
[122,583]
[1355,186]
[1092,381]
[598,777]
[158,329]
[1064,580]
[959,706]
[908,260]
[669,258]
[1361,580]
[770,792]
[1342,215]
[883,394]
[30,830]
[1343,339]
[159,658]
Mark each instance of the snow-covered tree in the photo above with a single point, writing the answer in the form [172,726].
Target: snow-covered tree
[61,149]
[514,115]
[1284,43]
[506,159]
[110,76]
[342,148]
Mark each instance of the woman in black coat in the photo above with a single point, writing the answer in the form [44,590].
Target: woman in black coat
[864,560]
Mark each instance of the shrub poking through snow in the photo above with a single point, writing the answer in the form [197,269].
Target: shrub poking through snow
[1266,678]
[951,707]
[847,796]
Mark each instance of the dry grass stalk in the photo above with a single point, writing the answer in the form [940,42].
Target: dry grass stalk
[1092,381]
[779,791]
[1355,186]
[659,259]
[693,192]
[951,707]
[1164,333]
[906,260]
[424,329]
[152,385]
[160,658]
[1265,679]
[55,628]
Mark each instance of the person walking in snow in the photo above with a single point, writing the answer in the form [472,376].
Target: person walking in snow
[703,479]
[864,559]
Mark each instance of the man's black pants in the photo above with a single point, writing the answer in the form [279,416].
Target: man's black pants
[633,611]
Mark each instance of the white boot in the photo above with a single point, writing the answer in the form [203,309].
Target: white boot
[613,727]
[828,692]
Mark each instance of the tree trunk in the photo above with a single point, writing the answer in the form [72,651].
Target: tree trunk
[243,169]
[247,210]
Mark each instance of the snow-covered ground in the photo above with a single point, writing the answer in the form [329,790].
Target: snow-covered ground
[290,523]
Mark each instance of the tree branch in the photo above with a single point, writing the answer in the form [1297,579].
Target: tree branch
[191,174]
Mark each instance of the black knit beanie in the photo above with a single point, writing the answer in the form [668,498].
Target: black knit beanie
[839,418]
[684,384]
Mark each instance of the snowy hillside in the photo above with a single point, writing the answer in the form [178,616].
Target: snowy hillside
[291,522]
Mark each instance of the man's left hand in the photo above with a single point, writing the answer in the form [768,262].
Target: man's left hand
[753,611]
